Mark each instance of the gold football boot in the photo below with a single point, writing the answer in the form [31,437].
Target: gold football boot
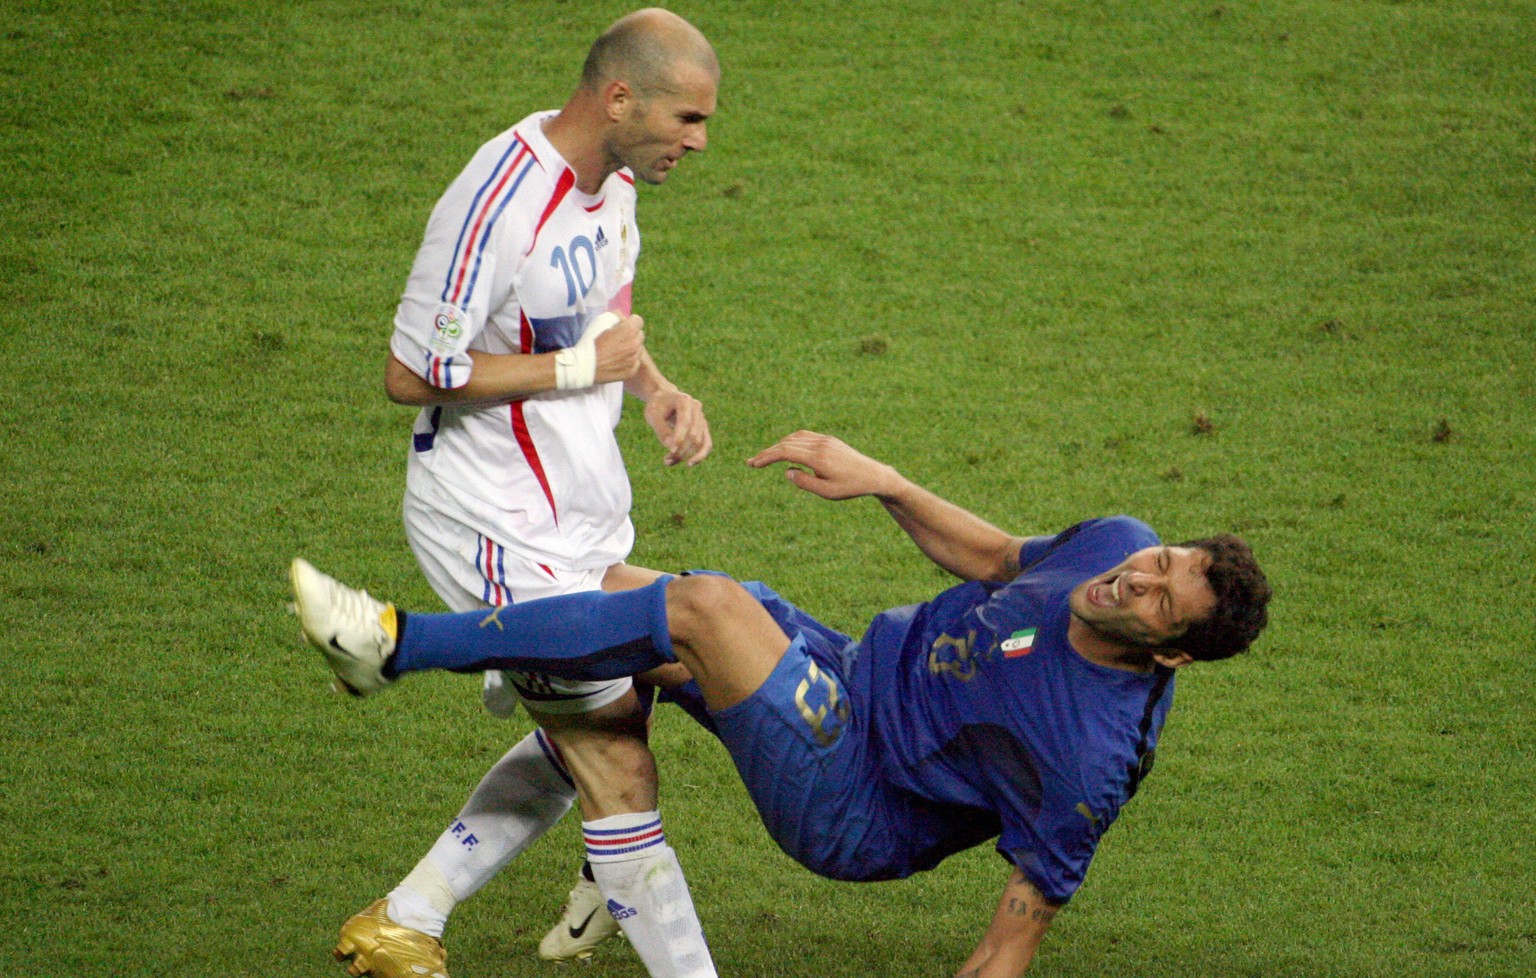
[372,944]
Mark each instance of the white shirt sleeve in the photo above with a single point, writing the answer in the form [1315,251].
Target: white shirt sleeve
[465,268]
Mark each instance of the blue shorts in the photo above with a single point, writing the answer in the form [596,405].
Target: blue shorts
[801,745]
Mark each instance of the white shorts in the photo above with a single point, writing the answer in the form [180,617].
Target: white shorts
[469,572]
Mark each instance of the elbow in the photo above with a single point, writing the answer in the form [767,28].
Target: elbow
[1002,563]
[404,387]
[400,395]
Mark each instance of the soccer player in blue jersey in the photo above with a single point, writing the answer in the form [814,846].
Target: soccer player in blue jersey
[1023,705]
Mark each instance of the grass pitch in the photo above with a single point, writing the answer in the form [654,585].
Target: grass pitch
[1264,267]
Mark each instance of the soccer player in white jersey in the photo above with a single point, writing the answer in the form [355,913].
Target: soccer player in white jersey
[516,489]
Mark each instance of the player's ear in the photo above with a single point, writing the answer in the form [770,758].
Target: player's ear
[1172,658]
[618,100]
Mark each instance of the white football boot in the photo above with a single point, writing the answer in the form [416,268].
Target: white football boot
[355,632]
[584,924]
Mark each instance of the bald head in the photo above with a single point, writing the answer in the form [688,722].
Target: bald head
[647,49]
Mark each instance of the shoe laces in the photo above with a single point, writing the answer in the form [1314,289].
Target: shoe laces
[359,608]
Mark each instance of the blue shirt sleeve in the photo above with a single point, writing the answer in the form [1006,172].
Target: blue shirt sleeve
[1036,549]
[1053,851]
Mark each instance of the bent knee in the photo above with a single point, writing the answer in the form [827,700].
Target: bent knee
[697,601]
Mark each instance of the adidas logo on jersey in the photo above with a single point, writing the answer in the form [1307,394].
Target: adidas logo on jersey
[602,239]
[619,911]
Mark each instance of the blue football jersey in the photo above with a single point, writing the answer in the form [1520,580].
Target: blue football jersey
[993,726]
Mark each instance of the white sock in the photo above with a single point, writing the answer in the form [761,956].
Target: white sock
[643,883]
[518,800]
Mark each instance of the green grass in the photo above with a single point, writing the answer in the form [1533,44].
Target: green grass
[1265,267]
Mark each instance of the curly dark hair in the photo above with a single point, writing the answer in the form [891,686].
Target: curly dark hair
[1242,599]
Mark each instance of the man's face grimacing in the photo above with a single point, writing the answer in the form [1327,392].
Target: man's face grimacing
[1150,598]
[667,124]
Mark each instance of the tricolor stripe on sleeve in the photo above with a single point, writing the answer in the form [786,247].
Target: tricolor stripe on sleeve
[489,201]
[440,371]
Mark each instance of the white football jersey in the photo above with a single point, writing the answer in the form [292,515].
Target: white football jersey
[516,259]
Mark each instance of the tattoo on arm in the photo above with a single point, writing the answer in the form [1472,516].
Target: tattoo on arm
[1011,566]
[1041,914]
[1041,911]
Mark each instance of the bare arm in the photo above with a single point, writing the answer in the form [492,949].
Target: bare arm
[497,378]
[676,418]
[1018,924]
[958,541]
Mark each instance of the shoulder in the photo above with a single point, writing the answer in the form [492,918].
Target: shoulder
[515,158]
[1103,533]
[619,190]
[1123,527]
[503,189]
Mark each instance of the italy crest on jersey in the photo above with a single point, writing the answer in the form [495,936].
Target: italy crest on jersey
[1019,643]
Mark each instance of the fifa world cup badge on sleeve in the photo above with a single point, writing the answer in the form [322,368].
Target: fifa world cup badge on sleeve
[449,326]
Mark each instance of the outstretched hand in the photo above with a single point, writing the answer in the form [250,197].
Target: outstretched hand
[826,466]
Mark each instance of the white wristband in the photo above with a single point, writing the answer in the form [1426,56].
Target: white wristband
[576,366]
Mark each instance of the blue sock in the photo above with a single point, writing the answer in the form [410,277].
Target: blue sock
[593,635]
